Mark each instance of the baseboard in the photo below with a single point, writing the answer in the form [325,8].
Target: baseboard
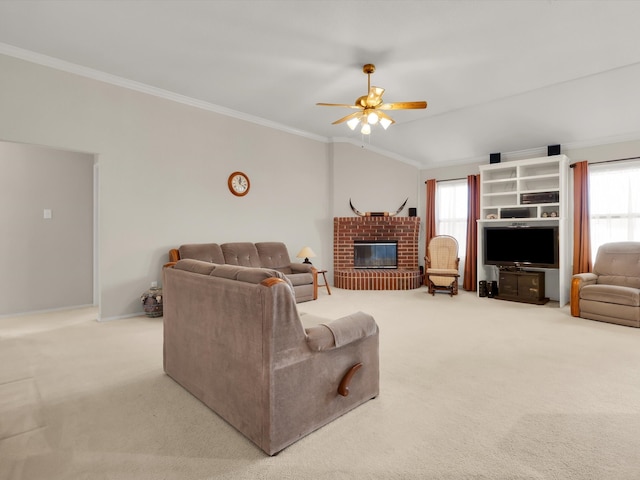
[48,310]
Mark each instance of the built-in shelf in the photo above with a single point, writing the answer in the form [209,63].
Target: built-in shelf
[528,192]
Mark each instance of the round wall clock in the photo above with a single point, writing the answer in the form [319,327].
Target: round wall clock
[239,184]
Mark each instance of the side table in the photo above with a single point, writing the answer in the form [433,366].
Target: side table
[325,284]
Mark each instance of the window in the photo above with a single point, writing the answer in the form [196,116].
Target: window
[614,203]
[451,212]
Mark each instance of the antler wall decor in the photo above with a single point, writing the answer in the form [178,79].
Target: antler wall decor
[377,214]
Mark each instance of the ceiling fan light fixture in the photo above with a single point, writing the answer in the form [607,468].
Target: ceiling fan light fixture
[353,123]
[371,107]
[385,122]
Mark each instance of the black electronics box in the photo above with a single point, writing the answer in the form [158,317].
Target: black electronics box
[553,150]
[514,213]
[540,197]
[494,158]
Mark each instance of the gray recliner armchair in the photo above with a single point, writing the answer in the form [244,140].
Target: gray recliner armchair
[611,293]
[233,337]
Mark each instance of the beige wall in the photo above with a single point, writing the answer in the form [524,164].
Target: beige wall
[594,153]
[48,263]
[373,182]
[163,169]
[599,153]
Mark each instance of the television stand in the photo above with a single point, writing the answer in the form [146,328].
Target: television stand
[522,286]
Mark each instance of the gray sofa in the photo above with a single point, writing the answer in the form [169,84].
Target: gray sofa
[274,255]
[611,293]
[234,339]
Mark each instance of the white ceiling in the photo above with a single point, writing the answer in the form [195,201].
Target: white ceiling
[499,76]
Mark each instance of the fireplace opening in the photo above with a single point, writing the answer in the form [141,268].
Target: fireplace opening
[379,254]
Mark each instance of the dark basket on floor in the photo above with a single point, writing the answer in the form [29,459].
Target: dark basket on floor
[152,302]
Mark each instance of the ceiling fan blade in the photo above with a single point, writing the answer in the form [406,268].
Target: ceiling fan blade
[402,105]
[375,96]
[338,105]
[348,117]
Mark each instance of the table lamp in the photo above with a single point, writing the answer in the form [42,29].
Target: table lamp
[305,253]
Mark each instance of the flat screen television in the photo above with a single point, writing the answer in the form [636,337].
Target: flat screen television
[521,246]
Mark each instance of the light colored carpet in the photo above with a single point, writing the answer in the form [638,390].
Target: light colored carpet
[471,388]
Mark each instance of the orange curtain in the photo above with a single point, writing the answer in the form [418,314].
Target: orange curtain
[430,212]
[473,214]
[581,236]
[430,215]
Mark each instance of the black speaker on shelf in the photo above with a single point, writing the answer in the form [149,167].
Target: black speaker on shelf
[553,150]
[413,212]
[482,288]
[494,158]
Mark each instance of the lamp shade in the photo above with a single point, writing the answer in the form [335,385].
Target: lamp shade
[385,123]
[305,253]
[353,123]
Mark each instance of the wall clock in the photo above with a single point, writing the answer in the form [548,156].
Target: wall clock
[239,184]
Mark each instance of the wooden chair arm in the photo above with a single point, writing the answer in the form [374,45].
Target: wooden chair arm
[174,255]
[343,389]
[575,297]
[314,271]
[169,264]
[270,282]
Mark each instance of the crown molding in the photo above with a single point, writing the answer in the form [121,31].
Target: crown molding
[537,152]
[377,150]
[91,73]
[627,137]
[98,75]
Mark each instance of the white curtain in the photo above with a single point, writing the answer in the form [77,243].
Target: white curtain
[614,202]
[451,213]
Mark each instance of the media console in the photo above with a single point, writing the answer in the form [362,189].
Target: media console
[529,197]
[522,286]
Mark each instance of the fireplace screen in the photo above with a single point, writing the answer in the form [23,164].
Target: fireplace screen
[382,254]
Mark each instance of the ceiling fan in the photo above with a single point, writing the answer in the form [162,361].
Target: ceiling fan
[370,107]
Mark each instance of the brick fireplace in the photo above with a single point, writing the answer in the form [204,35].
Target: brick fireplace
[348,230]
